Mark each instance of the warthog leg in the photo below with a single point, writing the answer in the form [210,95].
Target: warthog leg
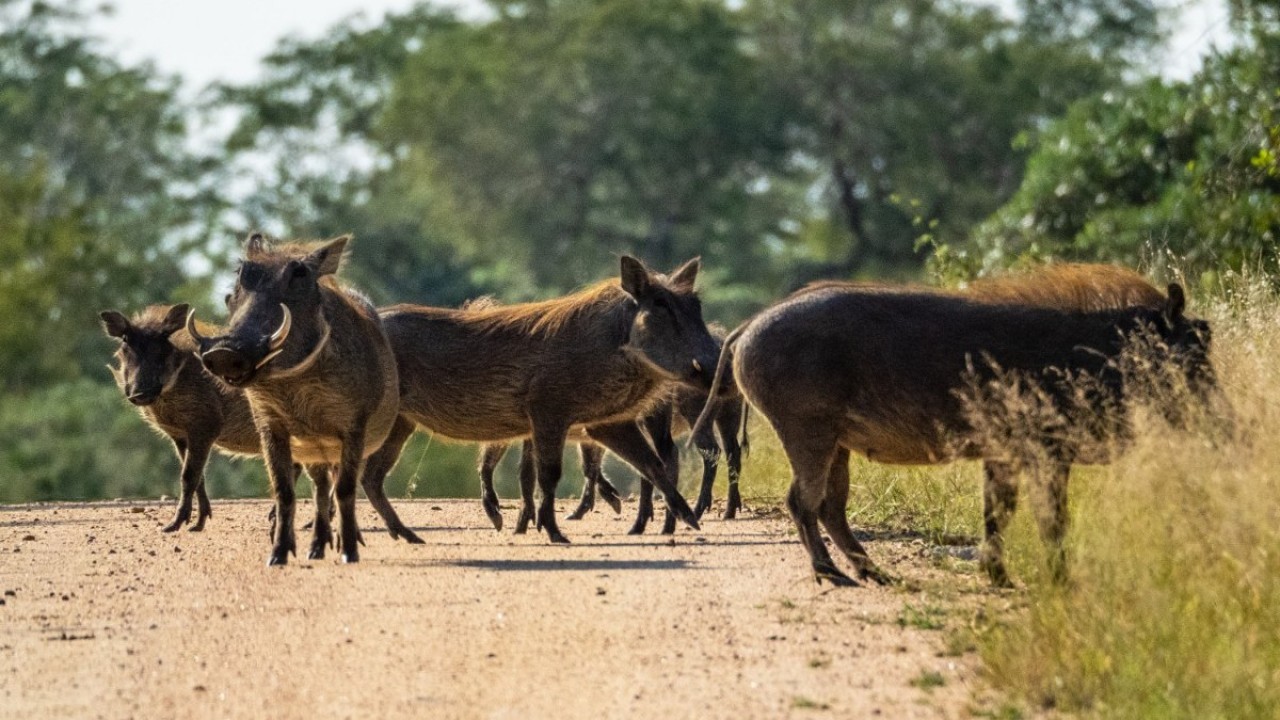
[205,509]
[999,501]
[349,469]
[593,479]
[727,424]
[376,469]
[282,474]
[528,475]
[709,449]
[194,454]
[548,453]
[1051,516]
[490,456]
[321,529]
[811,453]
[833,517]
[628,442]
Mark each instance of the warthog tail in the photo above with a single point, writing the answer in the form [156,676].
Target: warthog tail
[726,352]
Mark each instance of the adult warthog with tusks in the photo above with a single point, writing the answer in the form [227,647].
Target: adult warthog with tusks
[319,375]
[586,365]
[889,373]
[158,369]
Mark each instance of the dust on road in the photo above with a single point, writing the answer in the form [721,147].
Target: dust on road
[104,616]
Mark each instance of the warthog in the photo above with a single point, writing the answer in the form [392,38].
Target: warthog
[840,368]
[158,370]
[673,416]
[319,375]
[594,479]
[584,365]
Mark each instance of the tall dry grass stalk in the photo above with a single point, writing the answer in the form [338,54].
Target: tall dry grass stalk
[1174,605]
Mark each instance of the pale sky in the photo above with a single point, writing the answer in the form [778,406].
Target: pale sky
[226,39]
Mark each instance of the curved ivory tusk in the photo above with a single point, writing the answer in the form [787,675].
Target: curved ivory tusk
[269,357]
[697,366]
[278,337]
[191,329]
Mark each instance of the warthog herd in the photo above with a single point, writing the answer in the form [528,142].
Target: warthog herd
[309,374]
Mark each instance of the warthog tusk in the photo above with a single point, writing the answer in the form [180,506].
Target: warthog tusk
[697,366]
[269,357]
[191,329]
[278,337]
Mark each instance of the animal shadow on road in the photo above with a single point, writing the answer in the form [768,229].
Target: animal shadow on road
[571,565]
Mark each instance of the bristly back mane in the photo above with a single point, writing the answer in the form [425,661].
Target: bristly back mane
[1066,286]
[547,317]
[1070,286]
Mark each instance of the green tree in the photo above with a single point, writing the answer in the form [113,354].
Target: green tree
[95,187]
[905,114]
[1187,171]
[563,133]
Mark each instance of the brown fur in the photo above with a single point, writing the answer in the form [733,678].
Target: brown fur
[587,363]
[332,393]
[879,370]
[193,410]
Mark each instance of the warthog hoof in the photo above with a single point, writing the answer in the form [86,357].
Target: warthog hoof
[404,533]
[669,523]
[492,510]
[522,524]
[199,524]
[587,504]
[878,576]
[703,505]
[609,494]
[732,507]
[833,575]
[180,519]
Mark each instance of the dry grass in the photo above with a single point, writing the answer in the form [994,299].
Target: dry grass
[1173,608]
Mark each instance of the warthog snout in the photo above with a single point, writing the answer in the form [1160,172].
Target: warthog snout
[143,398]
[233,362]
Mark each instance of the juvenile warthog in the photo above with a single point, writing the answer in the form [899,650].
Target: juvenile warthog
[592,362]
[319,375]
[885,371]
[158,371]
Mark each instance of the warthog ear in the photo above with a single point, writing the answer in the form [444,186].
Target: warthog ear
[687,274]
[1177,302]
[175,319]
[635,277]
[255,243]
[114,324]
[326,259]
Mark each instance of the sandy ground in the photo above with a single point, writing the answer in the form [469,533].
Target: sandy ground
[104,616]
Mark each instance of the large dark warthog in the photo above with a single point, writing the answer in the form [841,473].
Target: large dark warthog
[318,372]
[594,360]
[884,372]
[159,371]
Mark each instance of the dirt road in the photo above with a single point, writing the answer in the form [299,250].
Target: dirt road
[104,616]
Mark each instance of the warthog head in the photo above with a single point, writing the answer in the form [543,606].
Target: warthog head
[1188,340]
[273,310]
[147,362]
[668,332]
